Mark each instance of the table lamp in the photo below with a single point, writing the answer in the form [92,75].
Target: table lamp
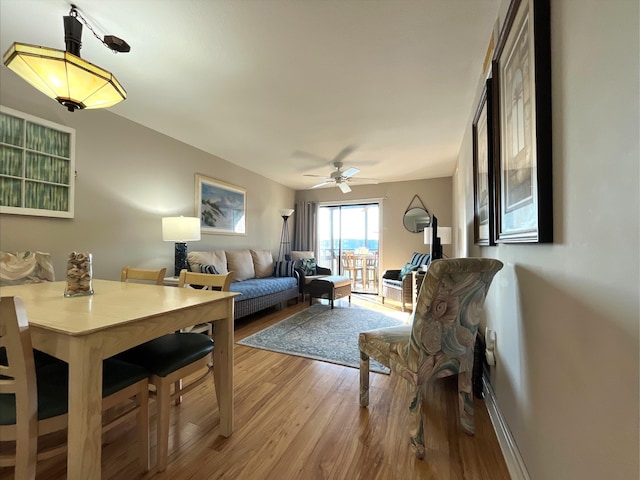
[442,237]
[180,230]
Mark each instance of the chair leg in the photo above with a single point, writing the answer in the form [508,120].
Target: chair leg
[416,423]
[177,388]
[163,406]
[143,428]
[364,379]
[465,402]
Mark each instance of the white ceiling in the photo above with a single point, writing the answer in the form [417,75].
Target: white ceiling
[282,86]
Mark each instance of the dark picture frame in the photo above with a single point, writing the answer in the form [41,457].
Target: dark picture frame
[221,207]
[483,165]
[521,71]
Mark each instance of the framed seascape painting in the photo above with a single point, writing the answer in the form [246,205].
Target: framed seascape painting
[483,177]
[220,206]
[521,71]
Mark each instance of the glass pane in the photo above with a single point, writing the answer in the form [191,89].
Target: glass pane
[11,129]
[47,140]
[47,169]
[46,197]
[10,192]
[10,161]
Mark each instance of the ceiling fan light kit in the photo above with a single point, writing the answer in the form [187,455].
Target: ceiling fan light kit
[62,75]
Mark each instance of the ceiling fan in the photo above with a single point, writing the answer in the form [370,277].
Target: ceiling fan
[340,177]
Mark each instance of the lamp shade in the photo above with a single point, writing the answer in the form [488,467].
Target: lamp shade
[286,212]
[65,77]
[443,232]
[180,229]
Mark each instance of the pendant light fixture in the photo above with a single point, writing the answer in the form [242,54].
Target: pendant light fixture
[63,75]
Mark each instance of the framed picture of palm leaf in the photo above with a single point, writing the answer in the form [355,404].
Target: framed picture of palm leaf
[221,207]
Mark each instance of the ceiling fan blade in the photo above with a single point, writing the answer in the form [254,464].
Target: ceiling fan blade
[343,153]
[350,172]
[317,176]
[322,184]
[363,180]
[344,187]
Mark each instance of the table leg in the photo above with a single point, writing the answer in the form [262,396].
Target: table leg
[223,369]
[85,411]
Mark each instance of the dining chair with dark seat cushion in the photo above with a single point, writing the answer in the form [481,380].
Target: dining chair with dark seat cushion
[171,358]
[34,395]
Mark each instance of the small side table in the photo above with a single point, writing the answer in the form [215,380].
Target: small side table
[171,281]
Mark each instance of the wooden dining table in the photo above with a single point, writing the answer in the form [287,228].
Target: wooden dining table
[85,330]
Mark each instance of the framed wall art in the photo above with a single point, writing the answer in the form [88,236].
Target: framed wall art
[483,163]
[521,71]
[220,206]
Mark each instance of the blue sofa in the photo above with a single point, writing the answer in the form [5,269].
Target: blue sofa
[253,277]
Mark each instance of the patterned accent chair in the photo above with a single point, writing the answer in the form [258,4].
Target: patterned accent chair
[438,342]
[396,284]
[25,267]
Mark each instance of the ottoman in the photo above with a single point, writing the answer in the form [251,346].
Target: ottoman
[331,287]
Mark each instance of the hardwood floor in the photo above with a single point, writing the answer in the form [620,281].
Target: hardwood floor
[297,418]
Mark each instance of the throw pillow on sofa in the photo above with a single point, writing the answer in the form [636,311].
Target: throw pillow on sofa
[283,268]
[406,270]
[308,265]
[210,269]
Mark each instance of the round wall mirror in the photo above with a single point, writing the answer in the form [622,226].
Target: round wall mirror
[416,219]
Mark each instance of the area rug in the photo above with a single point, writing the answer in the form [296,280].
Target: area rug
[324,334]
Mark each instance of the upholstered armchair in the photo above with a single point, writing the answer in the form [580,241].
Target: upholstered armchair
[25,267]
[396,284]
[438,342]
[307,268]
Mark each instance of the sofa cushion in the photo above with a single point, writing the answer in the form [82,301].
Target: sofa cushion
[283,268]
[257,287]
[240,263]
[262,263]
[217,258]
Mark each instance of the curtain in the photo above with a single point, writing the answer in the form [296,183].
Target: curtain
[305,233]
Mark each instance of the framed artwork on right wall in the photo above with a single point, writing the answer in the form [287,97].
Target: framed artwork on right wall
[521,71]
[483,176]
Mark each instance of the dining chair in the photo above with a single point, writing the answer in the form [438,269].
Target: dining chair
[207,281]
[439,340]
[351,266]
[172,358]
[143,275]
[34,396]
[371,269]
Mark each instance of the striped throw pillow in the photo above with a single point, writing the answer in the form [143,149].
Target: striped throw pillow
[419,258]
[283,268]
[209,269]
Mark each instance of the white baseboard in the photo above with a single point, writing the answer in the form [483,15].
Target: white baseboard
[512,457]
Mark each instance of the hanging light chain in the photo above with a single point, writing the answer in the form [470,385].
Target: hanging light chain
[75,13]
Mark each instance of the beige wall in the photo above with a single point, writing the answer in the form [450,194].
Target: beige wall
[129,177]
[396,243]
[566,314]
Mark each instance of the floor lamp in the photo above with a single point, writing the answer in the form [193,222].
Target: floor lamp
[285,245]
[180,230]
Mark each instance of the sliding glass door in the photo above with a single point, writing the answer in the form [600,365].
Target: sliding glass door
[348,238]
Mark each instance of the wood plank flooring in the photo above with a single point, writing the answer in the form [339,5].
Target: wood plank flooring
[297,418]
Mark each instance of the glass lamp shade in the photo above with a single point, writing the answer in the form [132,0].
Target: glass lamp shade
[67,78]
[286,212]
[180,229]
